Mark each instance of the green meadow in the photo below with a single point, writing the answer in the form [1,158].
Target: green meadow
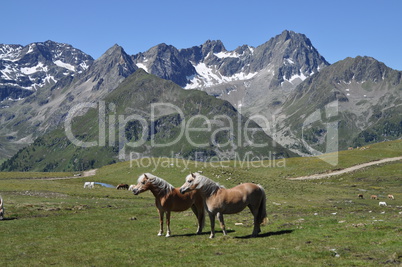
[311,222]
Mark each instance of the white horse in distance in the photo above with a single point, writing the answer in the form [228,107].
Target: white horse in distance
[89,184]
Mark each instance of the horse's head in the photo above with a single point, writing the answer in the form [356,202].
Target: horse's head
[190,184]
[143,184]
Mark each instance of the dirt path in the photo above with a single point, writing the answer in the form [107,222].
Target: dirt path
[346,170]
[89,173]
[84,174]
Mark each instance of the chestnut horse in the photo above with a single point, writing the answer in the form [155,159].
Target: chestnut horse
[122,186]
[168,198]
[219,200]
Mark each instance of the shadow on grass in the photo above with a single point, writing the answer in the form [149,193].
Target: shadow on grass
[203,233]
[268,234]
[9,219]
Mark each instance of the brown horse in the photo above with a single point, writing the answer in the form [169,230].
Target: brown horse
[122,186]
[219,200]
[168,198]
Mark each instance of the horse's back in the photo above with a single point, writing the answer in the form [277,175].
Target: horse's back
[236,199]
[246,190]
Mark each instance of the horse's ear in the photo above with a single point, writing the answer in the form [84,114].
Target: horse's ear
[192,174]
[145,176]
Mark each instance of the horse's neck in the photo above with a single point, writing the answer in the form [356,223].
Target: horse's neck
[211,189]
[160,192]
[157,192]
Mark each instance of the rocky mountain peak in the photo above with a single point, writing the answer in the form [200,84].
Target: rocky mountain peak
[113,52]
[360,69]
[110,69]
[25,69]
[215,46]
[165,61]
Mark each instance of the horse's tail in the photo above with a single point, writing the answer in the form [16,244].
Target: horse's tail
[262,211]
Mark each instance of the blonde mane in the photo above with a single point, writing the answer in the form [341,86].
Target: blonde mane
[207,185]
[160,184]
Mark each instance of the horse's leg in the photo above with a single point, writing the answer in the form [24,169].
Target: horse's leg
[168,223]
[200,217]
[222,223]
[212,219]
[161,215]
[257,229]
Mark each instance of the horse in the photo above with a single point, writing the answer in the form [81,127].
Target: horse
[89,184]
[374,197]
[168,199]
[382,203]
[360,196]
[1,208]
[219,200]
[391,197]
[122,186]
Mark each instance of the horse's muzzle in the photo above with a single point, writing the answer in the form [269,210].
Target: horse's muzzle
[183,190]
[136,191]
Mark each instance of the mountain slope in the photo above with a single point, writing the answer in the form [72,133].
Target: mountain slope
[147,116]
[46,107]
[367,99]
[26,69]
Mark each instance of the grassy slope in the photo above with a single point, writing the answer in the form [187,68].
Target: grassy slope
[311,222]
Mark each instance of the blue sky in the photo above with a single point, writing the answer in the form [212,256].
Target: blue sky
[338,29]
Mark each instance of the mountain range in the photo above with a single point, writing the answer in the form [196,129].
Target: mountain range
[147,116]
[278,84]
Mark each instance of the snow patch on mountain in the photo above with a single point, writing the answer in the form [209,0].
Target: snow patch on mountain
[233,54]
[294,77]
[32,70]
[7,72]
[142,66]
[208,76]
[64,65]
[227,54]
[10,52]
